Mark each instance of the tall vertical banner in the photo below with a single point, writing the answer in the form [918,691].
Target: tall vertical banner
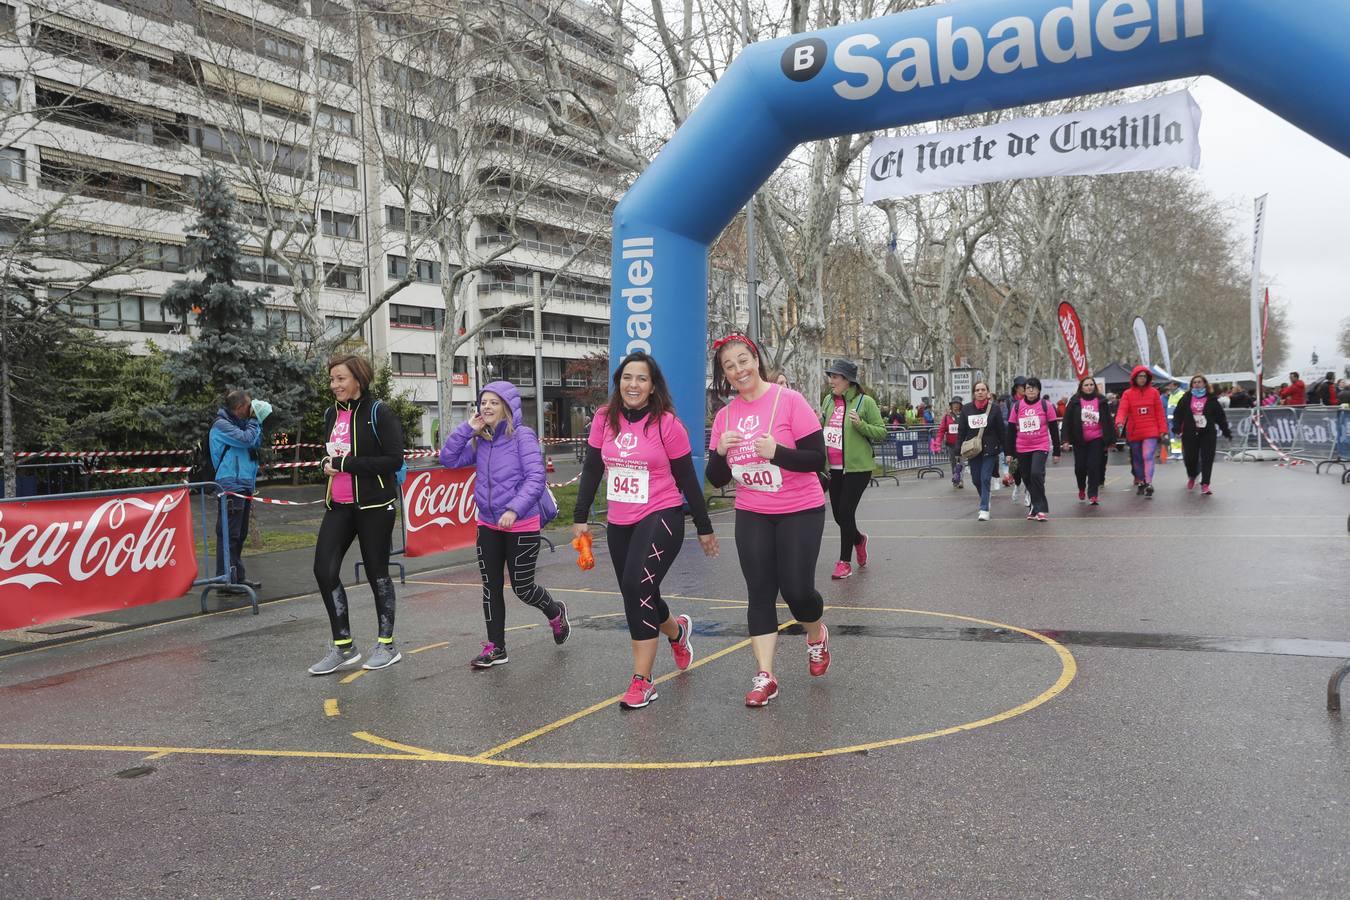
[1071,327]
[60,559]
[1258,330]
[1141,341]
[1164,352]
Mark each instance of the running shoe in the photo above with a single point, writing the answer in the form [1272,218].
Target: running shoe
[492,655]
[1030,515]
[862,550]
[1082,495]
[680,648]
[1026,500]
[984,515]
[639,693]
[841,570]
[1139,489]
[1190,484]
[561,627]
[818,654]
[1093,501]
[764,689]
[1016,488]
[1148,490]
[383,655]
[1205,491]
[337,658]
[1042,517]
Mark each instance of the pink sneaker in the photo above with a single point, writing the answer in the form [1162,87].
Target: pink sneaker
[818,655]
[1082,495]
[639,693]
[764,689]
[862,551]
[1190,484]
[841,570]
[680,648]
[1042,517]
[1205,491]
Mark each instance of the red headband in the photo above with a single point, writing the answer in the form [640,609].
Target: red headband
[738,338]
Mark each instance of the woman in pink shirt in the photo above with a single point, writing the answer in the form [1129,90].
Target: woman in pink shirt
[1090,430]
[769,441]
[643,454]
[1198,418]
[1033,430]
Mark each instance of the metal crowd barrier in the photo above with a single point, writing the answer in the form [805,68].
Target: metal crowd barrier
[907,448]
[1313,434]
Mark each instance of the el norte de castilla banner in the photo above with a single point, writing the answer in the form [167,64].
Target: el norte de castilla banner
[1159,133]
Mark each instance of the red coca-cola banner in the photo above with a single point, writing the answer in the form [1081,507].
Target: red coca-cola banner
[1072,329]
[65,558]
[441,511]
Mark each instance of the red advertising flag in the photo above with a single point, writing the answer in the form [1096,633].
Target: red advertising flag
[440,509]
[1072,329]
[65,558]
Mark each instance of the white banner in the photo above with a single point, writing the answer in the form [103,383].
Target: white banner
[962,383]
[1258,348]
[1151,134]
[1141,341]
[1163,351]
[920,386]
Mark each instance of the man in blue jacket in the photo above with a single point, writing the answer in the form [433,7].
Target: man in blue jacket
[236,435]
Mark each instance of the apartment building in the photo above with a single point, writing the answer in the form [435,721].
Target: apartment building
[367,145]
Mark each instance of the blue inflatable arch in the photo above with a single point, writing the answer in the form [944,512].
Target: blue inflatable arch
[933,63]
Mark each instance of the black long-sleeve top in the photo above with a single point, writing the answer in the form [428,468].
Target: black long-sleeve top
[807,456]
[681,469]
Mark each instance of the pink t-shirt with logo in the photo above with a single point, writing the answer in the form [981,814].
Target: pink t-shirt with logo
[836,436]
[1092,418]
[638,480]
[1198,405]
[1032,422]
[341,441]
[761,486]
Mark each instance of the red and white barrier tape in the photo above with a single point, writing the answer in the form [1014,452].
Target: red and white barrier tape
[82,454]
[147,470]
[1285,458]
[565,483]
[274,502]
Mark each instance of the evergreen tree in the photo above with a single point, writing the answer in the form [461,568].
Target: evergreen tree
[233,346]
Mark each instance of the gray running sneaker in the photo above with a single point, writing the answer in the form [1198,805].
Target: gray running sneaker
[337,658]
[383,655]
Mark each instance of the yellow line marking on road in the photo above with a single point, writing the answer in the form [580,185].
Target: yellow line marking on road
[160,755]
[394,745]
[352,677]
[430,647]
[330,707]
[568,720]
[237,751]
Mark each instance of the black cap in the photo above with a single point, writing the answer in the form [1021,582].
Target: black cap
[1020,381]
[843,368]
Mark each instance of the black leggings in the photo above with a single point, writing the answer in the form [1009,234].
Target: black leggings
[1197,451]
[1032,467]
[1089,465]
[778,554]
[518,551]
[642,554]
[846,490]
[374,529]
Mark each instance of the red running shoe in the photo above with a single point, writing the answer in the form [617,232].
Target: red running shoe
[818,655]
[680,648]
[1205,491]
[841,570]
[862,551]
[1082,495]
[639,693]
[765,689]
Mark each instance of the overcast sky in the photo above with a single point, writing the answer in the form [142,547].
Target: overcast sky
[1247,151]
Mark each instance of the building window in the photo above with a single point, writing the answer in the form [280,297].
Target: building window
[122,312]
[413,363]
[230,146]
[291,323]
[331,13]
[425,270]
[337,173]
[335,68]
[110,250]
[9,92]
[12,166]
[89,112]
[335,325]
[343,278]
[396,218]
[339,225]
[253,38]
[269,271]
[7,19]
[427,317]
[338,121]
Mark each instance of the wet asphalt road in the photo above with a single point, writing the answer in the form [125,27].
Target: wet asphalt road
[1152,751]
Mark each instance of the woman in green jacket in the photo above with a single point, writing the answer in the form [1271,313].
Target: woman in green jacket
[852,422]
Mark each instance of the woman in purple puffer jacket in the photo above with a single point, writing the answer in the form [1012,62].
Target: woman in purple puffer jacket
[512,503]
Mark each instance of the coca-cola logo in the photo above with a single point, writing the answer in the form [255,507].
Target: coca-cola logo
[432,502]
[1069,326]
[113,540]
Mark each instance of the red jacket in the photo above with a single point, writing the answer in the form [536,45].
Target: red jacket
[1294,395]
[1142,413]
[945,432]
